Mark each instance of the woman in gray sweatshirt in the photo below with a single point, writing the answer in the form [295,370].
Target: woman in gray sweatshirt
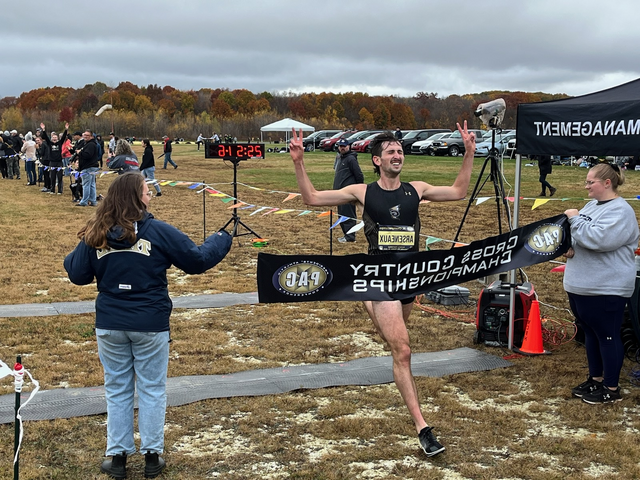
[600,277]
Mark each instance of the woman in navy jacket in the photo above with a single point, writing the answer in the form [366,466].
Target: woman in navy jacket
[128,252]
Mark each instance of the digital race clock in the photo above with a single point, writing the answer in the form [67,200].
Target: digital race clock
[234,151]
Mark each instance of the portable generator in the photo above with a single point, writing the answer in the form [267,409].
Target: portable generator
[492,316]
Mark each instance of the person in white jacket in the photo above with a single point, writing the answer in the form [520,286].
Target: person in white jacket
[29,151]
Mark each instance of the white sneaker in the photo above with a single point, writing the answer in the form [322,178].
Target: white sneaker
[345,240]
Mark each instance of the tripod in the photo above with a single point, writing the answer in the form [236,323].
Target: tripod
[235,218]
[498,187]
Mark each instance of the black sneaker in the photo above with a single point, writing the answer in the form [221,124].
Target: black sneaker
[552,191]
[428,442]
[159,194]
[116,467]
[584,388]
[153,465]
[602,395]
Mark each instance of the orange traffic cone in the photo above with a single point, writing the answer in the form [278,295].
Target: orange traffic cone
[532,342]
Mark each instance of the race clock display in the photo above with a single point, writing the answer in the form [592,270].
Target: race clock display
[234,151]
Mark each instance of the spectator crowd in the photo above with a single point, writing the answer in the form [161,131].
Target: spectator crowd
[59,161]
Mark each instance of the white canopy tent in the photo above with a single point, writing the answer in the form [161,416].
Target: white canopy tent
[285,125]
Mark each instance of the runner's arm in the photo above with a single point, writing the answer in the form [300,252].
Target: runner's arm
[458,190]
[311,196]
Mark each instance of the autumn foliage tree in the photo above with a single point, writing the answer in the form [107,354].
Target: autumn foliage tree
[154,110]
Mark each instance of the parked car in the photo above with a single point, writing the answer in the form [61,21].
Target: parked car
[502,140]
[489,133]
[360,136]
[421,147]
[412,136]
[362,146]
[452,146]
[328,144]
[312,141]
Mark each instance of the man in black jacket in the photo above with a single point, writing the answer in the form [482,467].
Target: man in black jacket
[347,173]
[167,153]
[88,160]
[11,155]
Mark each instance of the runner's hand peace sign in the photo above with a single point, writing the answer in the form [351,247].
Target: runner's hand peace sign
[296,149]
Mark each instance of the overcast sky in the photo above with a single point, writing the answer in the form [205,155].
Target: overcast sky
[393,47]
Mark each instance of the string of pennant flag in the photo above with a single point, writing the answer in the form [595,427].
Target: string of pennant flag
[537,201]
[211,190]
[235,203]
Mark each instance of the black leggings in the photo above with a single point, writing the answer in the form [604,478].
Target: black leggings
[543,181]
[601,319]
[56,176]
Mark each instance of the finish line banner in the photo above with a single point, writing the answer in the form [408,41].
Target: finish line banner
[396,276]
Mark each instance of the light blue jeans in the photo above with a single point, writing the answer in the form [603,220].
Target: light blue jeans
[88,178]
[65,164]
[167,159]
[133,359]
[150,174]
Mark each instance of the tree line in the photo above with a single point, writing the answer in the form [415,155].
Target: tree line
[154,111]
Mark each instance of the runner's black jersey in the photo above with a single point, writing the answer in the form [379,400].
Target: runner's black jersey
[395,208]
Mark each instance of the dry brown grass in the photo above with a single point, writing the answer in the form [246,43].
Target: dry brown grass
[518,422]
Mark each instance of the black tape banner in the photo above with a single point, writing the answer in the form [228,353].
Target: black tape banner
[395,276]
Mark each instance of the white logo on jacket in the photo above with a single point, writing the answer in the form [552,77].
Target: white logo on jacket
[141,246]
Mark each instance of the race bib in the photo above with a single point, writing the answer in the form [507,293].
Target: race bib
[396,238]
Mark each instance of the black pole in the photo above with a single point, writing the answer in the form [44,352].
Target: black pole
[235,219]
[16,442]
[204,216]
[235,198]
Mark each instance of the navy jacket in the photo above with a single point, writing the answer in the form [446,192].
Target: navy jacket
[123,163]
[132,279]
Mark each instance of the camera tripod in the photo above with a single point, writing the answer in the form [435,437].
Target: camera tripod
[495,175]
[235,218]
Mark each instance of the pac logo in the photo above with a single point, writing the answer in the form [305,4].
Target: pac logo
[299,279]
[545,239]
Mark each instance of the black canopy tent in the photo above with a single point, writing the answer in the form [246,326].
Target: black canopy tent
[601,123]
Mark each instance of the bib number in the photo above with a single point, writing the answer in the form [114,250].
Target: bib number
[396,238]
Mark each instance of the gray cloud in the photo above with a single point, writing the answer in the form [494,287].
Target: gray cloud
[387,48]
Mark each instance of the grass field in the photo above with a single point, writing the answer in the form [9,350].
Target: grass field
[518,422]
